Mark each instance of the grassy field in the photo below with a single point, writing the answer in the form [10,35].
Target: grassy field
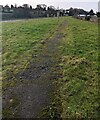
[78,91]
[22,40]
[79,88]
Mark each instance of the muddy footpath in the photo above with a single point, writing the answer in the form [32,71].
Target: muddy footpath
[35,90]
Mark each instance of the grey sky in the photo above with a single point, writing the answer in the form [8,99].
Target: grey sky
[87,5]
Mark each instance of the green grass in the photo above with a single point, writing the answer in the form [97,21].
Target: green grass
[21,40]
[79,86]
[78,91]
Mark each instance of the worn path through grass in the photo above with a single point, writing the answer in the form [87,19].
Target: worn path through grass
[34,91]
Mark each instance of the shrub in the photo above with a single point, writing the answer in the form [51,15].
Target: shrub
[87,18]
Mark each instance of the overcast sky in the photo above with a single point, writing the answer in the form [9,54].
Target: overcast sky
[85,4]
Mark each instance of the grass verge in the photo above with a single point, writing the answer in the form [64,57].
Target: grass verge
[79,85]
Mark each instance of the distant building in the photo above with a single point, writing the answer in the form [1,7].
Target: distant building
[1,8]
[6,9]
[82,15]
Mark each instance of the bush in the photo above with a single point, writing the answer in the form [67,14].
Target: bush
[98,14]
[87,18]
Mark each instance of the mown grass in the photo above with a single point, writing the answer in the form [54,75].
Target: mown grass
[22,40]
[79,85]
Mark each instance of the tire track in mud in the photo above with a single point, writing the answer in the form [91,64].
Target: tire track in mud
[34,90]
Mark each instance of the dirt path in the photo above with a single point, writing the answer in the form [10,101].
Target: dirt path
[34,91]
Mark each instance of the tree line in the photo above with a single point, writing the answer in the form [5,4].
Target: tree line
[42,10]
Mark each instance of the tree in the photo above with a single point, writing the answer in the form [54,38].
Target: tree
[15,5]
[26,6]
[44,6]
[71,11]
[7,6]
[91,12]
[12,6]
[51,11]
[30,7]
[41,7]
[76,12]
[98,14]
